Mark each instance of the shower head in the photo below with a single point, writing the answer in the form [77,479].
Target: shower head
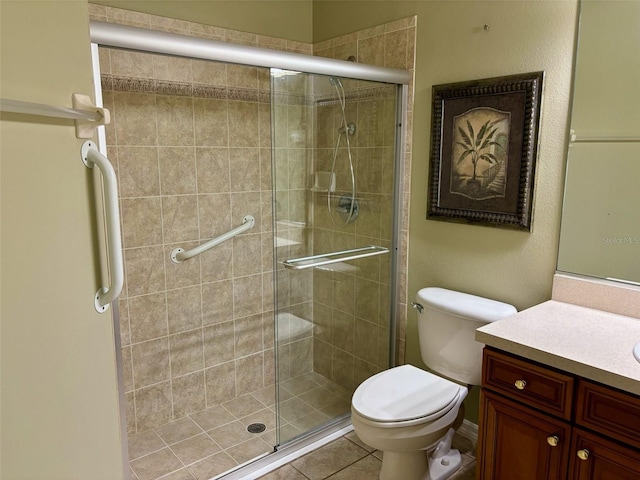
[335,81]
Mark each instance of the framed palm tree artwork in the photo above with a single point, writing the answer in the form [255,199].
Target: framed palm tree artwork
[484,144]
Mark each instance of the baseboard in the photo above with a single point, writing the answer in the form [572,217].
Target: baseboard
[467,437]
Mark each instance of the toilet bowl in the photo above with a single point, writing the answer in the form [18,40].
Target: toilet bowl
[410,414]
[403,412]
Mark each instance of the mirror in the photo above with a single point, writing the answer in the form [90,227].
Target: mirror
[600,231]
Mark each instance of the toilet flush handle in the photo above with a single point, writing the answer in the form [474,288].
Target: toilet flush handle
[417,306]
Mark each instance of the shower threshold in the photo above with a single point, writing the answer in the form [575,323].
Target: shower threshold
[290,451]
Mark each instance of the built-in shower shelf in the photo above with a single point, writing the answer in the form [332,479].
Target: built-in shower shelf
[291,327]
[340,267]
[337,194]
[290,224]
[285,242]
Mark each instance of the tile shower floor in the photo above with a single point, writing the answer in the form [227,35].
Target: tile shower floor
[210,442]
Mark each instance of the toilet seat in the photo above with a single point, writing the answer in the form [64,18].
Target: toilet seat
[405,395]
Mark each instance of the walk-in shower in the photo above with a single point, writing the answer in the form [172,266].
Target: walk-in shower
[257,297]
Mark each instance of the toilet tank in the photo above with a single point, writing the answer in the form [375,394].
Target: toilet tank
[446,329]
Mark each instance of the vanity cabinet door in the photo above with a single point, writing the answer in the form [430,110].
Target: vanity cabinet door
[596,458]
[519,443]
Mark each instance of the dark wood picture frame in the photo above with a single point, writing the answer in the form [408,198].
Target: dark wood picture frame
[484,144]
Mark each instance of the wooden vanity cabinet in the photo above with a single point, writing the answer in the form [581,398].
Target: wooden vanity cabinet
[515,442]
[605,460]
[539,423]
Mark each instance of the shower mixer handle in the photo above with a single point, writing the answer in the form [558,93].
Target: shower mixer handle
[348,208]
[350,129]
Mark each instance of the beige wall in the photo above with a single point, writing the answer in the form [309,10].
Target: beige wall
[280,18]
[60,418]
[515,267]
[523,36]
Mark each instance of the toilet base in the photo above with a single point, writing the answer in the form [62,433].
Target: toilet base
[443,467]
[440,464]
[415,466]
[404,465]
[444,460]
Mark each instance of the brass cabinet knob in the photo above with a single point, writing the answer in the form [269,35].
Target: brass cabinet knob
[520,384]
[553,441]
[583,454]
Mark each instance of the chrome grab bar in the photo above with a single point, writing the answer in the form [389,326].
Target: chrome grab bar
[106,295]
[353,254]
[179,254]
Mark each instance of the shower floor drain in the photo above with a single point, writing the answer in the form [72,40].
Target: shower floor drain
[256,428]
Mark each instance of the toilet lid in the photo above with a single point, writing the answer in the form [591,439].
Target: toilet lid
[403,393]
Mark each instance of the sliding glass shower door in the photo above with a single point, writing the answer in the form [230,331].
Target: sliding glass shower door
[333,157]
[244,346]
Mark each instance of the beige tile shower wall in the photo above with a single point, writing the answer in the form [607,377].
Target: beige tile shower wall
[191,141]
[293,141]
[351,302]
[350,322]
[196,328]
[154,22]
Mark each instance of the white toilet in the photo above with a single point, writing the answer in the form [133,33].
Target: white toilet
[410,414]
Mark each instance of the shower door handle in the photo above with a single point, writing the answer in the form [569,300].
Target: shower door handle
[105,295]
[303,263]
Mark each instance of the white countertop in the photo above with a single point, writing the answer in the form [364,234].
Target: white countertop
[590,343]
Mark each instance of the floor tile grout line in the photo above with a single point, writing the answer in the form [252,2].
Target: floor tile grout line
[131,471]
[165,475]
[369,454]
[147,454]
[313,385]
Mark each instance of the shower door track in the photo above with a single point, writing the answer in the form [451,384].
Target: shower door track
[290,451]
[134,38]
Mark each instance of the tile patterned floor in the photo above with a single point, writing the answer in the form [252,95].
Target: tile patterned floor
[347,458]
[208,443]
[215,440]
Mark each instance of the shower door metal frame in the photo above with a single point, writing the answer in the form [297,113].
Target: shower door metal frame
[134,38]
[101,239]
[139,39]
[401,98]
